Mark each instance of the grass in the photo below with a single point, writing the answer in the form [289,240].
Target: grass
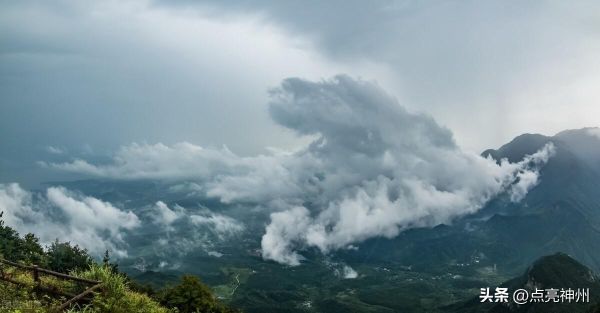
[115,296]
[23,297]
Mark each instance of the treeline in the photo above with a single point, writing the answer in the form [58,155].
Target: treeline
[120,293]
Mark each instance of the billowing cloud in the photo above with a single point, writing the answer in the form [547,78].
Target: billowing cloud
[372,169]
[341,270]
[64,215]
[525,180]
[348,272]
[285,229]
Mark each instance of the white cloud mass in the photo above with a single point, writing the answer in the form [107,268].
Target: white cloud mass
[373,169]
[163,215]
[349,273]
[61,214]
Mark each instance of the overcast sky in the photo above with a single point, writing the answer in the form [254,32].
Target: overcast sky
[81,78]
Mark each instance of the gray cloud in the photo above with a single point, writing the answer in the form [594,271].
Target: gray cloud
[516,66]
[372,169]
[89,76]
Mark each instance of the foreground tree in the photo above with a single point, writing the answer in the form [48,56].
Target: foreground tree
[191,296]
[65,258]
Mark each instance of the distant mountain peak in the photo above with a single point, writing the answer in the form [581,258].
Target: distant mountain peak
[586,131]
[517,148]
[529,143]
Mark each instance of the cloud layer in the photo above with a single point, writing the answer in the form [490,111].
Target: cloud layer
[181,231]
[64,215]
[372,169]
[96,225]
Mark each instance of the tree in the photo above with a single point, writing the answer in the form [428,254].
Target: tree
[191,296]
[33,251]
[107,263]
[11,245]
[64,258]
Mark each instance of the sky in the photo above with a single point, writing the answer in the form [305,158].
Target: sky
[377,110]
[85,77]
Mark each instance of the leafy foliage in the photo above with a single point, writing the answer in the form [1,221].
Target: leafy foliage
[107,263]
[192,296]
[65,258]
[33,251]
[15,248]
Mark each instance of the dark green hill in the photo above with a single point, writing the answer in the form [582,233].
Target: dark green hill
[555,271]
[155,279]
